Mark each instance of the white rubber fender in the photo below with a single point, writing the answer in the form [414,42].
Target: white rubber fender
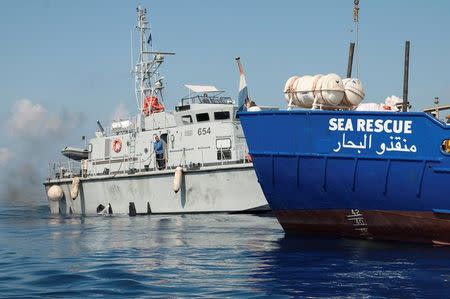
[55,193]
[178,177]
[75,188]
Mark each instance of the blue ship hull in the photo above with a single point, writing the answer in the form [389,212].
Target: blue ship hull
[378,175]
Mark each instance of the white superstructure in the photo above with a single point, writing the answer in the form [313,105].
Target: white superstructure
[205,165]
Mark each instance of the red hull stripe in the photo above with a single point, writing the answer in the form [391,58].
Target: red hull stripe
[422,227]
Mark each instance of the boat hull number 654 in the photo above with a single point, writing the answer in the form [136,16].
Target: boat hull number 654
[204,131]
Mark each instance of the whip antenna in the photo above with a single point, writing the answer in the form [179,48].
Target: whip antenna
[356,20]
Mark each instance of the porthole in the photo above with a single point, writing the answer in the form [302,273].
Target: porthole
[445,146]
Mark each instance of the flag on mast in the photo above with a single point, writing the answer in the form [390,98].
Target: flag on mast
[149,41]
[243,92]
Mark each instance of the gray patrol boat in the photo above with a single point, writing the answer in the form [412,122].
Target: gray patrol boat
[203,166]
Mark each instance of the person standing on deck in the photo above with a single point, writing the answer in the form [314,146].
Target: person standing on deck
[159,153]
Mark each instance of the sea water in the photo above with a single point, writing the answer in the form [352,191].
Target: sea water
[203,255]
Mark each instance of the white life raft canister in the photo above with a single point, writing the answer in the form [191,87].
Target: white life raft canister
[326,89]
[354,92]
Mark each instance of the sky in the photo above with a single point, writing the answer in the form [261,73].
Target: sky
[64,64]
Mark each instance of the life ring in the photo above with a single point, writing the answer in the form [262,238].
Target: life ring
[117,145]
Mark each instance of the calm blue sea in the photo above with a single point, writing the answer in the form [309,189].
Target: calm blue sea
[215,255]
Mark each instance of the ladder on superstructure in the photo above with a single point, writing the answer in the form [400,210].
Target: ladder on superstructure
[132,152]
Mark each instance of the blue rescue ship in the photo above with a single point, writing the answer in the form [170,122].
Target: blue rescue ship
[378,175]
[332,170]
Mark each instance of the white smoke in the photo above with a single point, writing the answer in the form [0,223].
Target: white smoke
[36,135]
[5,155]
[121,112]
[31,120]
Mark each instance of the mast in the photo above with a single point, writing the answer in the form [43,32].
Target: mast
[351,50]
[140,66]
[405,78]
[148,81]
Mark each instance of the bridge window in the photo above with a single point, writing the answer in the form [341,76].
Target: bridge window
[223,148]
[224,154]
[186,119]
[202,117]
[223,143]
[219,115]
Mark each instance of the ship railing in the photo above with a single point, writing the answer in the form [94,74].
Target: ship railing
[64,169]
[206,99]
[128,124]
[113,165]
[225,156]
[140,164]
